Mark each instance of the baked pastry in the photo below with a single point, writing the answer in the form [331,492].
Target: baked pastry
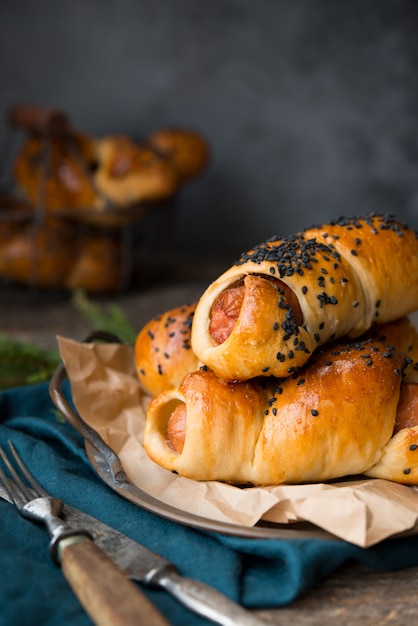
[98,263]
[15,214]
[335,418]
[55,172]
[187,150]
[131,172]
[403,336]
[287,297]
[40,254]
[163,354]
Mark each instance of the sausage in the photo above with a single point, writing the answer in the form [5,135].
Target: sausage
[406,417]
[227,306]
[225,313]
[176,428]
[407,411]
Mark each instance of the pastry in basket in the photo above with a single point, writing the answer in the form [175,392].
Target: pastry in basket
[341,415]
[163,353]
[98,265]
[187,150]
[54,172]
[130,172]
[285,298]
[40,254]
[15,214]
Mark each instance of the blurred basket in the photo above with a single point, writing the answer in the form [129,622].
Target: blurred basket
[44,244]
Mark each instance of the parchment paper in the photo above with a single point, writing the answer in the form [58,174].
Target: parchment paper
[107,395]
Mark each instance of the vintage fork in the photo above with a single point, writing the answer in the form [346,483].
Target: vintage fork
[106,594]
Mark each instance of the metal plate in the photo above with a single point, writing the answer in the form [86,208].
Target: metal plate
[108,466]
[129,491]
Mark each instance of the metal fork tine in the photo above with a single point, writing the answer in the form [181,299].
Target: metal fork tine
[13,494]
[15,476]
[26,473]
[74,549]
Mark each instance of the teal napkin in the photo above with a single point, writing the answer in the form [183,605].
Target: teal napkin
[258,573]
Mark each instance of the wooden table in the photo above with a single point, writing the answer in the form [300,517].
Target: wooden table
[353,594]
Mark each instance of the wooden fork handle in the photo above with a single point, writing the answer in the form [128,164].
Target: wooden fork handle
[107,595]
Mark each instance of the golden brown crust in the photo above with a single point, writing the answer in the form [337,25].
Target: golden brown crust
[163,354]
[345,275]
[57,171]
[187,150]
[98,263]
[332,419]
[39,255]
[131,173]
[403,336]
[399,461]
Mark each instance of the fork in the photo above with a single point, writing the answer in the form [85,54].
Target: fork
[108,597]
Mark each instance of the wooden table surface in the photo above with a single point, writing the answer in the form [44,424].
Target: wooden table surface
[351,595]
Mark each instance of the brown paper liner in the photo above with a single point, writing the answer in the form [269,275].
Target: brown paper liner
[107,395]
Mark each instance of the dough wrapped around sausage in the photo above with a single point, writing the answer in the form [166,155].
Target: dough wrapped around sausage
[57,172]
[332,419]
[403,336]
[186,149]
[130,172]
[287,297]
[163,353]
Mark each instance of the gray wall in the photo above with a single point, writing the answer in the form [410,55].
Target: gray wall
[310,106]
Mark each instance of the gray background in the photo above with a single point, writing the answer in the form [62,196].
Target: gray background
[310,106]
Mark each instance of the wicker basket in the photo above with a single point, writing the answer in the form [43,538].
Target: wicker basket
[74,247]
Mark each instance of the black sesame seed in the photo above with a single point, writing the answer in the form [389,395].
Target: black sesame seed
[314,412]
[407,470]
[413,446]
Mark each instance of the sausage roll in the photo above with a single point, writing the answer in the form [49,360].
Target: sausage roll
[40,254]
[130,172]
[335,418]
[186,149]
[163,353]
[285,298]
[403,336]
[57,171]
